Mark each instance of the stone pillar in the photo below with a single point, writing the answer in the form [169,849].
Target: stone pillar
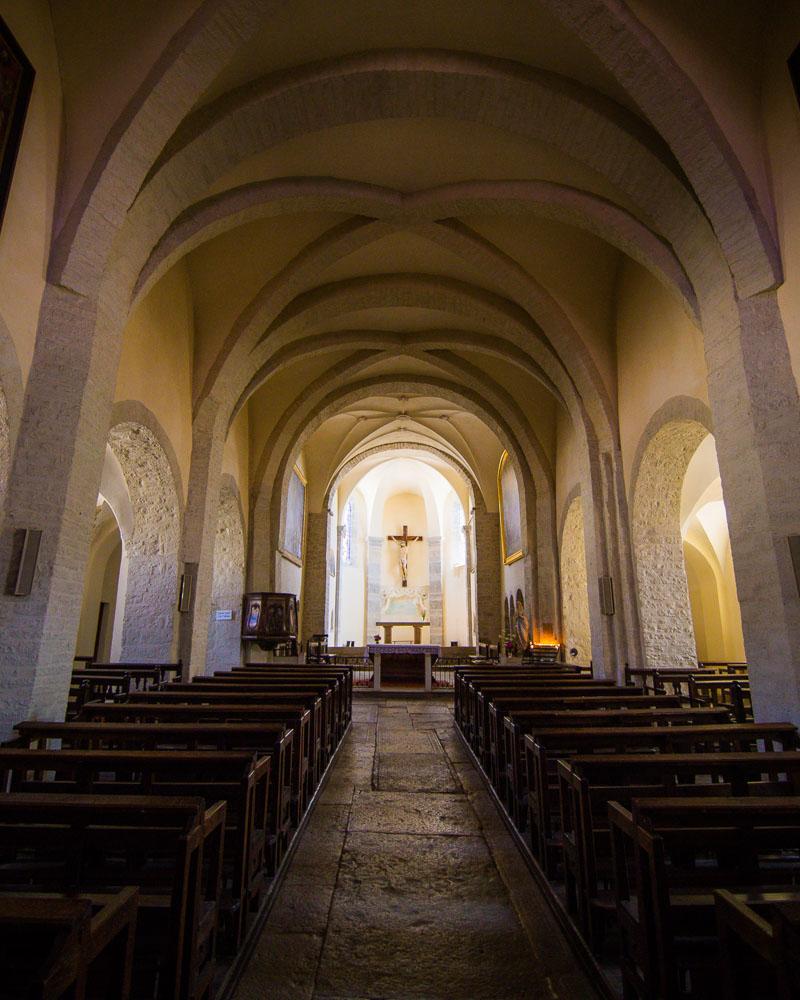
[374,554]
[756,411]
[200,532]
[315,575]
[435,589]
[224,637]
[337,593]
[487,543]
[467,529]
[53,487]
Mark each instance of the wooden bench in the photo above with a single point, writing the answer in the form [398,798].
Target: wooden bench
[588,783]
[94,687]
[731,691]
[171,847]
[240,779]
[544,747]
[265,739]
[54,946]
[343,675]
[463,677]
[759,935]
[314,747]
[296,717]
[519,722]
[141,678]
[670,854]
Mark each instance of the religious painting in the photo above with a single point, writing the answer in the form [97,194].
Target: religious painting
[510,511]
[253,614]
[16,83]
[294,525]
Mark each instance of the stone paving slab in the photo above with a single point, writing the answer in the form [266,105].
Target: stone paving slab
[412,812]
[406,884]
[412,772]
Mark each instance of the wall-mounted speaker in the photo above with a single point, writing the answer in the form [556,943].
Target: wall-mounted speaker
[606,585]
[188,580]
[24,556]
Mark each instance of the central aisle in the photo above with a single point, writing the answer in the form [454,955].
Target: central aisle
[406,883]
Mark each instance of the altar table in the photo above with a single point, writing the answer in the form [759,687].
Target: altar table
[388,626]
[405,664]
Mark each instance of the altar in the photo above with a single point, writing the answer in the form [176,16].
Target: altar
[388,626]
[406,665]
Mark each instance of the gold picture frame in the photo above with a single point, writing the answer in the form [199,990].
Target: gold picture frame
[504,496]
[289,553]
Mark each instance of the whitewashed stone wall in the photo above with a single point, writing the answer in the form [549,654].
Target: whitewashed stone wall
[435,588]
[374,556]
[151,548]
[664,607]
[577,631]
[224,642]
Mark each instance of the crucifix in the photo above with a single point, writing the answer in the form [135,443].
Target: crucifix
[403,541]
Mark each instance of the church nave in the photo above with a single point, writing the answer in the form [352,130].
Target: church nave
[405,883]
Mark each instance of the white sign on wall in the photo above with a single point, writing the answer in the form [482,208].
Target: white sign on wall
[223,616]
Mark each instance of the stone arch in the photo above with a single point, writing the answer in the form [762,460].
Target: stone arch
[224,644]
[576,627]
[461,469]
[149,574]
[671,438]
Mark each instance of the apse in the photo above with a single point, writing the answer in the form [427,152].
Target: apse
[402,555]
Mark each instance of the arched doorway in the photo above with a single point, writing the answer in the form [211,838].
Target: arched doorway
[687,592]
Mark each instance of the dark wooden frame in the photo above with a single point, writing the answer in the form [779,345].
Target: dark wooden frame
[19,110]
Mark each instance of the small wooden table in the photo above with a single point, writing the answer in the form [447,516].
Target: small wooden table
[388,626]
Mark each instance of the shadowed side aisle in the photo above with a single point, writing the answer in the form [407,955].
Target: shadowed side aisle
[406,884]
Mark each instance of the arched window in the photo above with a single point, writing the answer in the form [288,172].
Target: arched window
[348,539]
[459,536]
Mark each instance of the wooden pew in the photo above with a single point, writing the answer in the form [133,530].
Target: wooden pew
[338,683]
[54,946]
[759,935]
[165,670]
[141,678]
[240,779]
[588,783]
[270,739]
[491,717]
[94,687]
[462,678]
[545,746]
[670,854]
[730,690]
[488,726]
[519,722]
[297,716]
[342,673]
[170,847]
[315,747]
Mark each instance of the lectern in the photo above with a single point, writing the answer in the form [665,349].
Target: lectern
[270,620]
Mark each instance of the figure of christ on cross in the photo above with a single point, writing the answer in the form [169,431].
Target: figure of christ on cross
[403,541]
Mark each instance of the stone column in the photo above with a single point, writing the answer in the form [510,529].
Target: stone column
[340,530]
[468,543]
[435,589]
[200,532]
[374,554]
[53,487]
[487,543]
[315,575]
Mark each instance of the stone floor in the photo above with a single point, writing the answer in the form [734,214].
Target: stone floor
[406,883]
